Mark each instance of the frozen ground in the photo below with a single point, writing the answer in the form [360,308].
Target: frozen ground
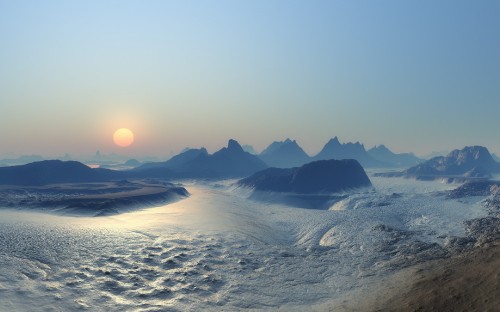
[217,250]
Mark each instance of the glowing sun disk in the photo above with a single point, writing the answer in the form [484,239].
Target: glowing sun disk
[123,137]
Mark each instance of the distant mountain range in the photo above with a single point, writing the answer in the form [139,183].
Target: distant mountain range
[229,162]
[288,153]
[233,162]
[469,162]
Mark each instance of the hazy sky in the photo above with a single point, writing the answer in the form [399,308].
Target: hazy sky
[415,75]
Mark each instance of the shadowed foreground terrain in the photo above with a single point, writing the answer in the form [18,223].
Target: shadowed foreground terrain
[467,282]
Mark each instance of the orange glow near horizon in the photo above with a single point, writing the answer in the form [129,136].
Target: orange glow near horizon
[123,137]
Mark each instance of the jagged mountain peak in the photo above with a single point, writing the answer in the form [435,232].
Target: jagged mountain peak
[334,141]
[233,145]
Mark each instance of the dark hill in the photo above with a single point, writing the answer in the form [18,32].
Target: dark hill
[54,171]
[284,154]
[324,176]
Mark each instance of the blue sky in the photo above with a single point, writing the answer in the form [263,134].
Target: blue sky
[417,76]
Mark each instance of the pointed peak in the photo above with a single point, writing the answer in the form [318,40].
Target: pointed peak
[382,147]
[234,145]
[288,141]
[334,141]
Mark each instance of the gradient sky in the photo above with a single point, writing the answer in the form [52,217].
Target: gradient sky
[417,76]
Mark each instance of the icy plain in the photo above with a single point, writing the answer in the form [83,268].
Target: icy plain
[218,250]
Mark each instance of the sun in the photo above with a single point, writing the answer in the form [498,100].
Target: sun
[123,137]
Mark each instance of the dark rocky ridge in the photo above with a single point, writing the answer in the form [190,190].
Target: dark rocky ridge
[318,177]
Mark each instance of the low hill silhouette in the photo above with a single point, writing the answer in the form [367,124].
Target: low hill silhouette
[54,171]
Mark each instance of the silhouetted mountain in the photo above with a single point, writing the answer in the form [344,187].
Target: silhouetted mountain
[177,161]
[323,176]
[285,154]
[336,150]
[54,171]
[471,161]
[230,161]
[385,155]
